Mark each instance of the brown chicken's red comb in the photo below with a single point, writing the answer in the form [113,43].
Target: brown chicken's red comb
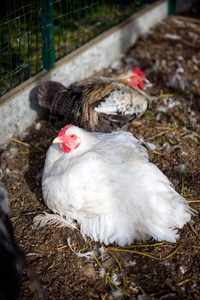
[139,72]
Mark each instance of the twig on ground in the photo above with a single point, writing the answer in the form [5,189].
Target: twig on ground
[19,142]
[191,226]
[144,254]
[161,133]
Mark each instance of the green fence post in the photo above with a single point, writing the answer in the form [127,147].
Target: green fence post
[172,7]
[48,49]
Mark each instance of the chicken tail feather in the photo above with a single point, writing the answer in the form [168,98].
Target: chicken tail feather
[48,91]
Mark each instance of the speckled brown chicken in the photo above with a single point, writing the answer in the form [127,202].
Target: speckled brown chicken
[96,104]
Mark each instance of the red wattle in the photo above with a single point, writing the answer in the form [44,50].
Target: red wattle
[140,85]
[64,148]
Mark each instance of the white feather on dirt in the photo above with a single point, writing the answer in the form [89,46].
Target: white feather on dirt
[117,294]
[115,279]
[182,168]
[51,219]
[102,272]
[172,36]
[88,255]
[38,126]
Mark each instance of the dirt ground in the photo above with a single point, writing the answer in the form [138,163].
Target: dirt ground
[170,56]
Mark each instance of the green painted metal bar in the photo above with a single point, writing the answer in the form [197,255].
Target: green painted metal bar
[51,34]
[44,36]
[0,65]
[172,7]
[48,50]
[78,21]
[9,60]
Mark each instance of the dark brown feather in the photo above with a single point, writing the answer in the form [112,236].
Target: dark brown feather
[48,91]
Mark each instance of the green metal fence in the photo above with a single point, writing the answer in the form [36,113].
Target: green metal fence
[34,34]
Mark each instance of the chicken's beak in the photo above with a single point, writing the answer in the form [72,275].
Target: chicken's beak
[57,140]
[145,80]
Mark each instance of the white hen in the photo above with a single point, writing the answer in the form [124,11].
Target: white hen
[106,184]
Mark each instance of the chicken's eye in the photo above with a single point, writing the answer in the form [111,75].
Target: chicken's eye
[72,136]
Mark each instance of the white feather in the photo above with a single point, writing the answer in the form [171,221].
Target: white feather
[115,279]
[88,255]
[109,187]
[51,219]
[117,294]
[102,272]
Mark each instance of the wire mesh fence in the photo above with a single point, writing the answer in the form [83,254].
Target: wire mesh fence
[34,34]
[21,42]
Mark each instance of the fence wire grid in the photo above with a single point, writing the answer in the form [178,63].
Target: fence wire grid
[34,34]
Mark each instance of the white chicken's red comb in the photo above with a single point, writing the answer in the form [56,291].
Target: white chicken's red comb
[64,130]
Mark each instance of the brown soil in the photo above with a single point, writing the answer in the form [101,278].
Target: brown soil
[147,270]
